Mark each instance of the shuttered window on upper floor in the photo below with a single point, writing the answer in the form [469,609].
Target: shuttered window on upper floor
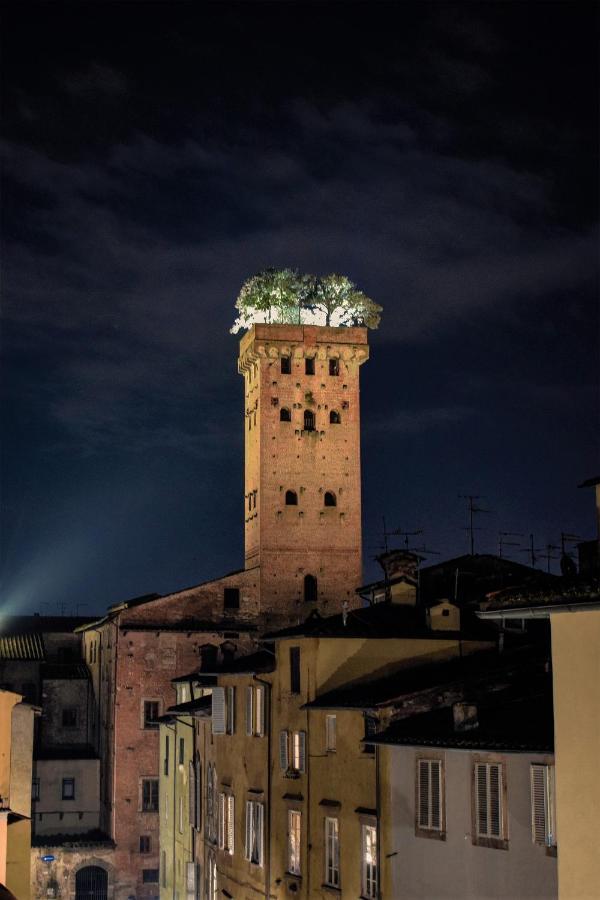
[543,812]
[430,796]
[489,812]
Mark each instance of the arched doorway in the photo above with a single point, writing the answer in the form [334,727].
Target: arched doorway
[91,883]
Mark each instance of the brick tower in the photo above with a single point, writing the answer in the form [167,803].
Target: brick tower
[302,506]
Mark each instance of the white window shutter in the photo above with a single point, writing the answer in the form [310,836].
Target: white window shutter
[260,710]
[283,750]
[248,840]
[301,751]
[231,823]
[218,710]
[221,821]
[249,710]
[260,818]
[423,793]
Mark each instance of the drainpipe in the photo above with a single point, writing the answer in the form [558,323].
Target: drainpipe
[114,734]
[267,686]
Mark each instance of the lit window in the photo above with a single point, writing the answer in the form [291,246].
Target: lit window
[226,826]
[332,852]
[292,752]
[369,861]
[294,841]
[255,710]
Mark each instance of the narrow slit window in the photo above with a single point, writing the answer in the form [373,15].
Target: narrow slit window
[291,498]
[310,589]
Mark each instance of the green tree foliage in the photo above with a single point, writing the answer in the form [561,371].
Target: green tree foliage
[286,296]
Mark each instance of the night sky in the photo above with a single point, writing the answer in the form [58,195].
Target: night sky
[443,156]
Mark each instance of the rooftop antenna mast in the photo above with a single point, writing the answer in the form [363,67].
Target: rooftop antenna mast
[502,542]
[548,555]
[531,550]
[567,538]
[473,510]
[406,535]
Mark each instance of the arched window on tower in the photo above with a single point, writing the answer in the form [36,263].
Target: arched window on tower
[291,498]
[310,589]
[285,415]
[309,420]
[334,417]
[330,499]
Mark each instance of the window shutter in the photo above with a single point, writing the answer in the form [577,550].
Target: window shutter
[301,751]
[260,710]
[283,750]
[495,808]
[538,804]
[260,811]
[191,793]
[198,798]
[191,879]
[435,821]
[230,710]
[221,821]
[249,711]
[481,805]
[423,793]
[218,710]
[231,823]
[248,840]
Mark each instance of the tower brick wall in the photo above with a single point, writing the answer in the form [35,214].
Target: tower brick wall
[312,374]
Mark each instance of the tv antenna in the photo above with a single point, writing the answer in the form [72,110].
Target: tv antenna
[398,532]
[502,542]
[548,555]
[531,550]
[473,510]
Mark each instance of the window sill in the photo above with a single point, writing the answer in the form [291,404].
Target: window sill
[430,834]
[491,843]
[331,889]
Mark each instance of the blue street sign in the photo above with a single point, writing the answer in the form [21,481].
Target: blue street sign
[48,858]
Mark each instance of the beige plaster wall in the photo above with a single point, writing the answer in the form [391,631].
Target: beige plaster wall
[576,676]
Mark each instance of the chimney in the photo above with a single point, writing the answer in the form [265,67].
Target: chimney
[465,716]
[399,562]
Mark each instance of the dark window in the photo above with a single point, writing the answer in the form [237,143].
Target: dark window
[181,750]
[310,589]
[309,366]
[231,598]
[370,730]
[295,670]
[286,365]
[150,876]
[29,691]
[144,843]
[68,788]
[334,367]
[208,657]
[309,420]
[150,795]
[35,788]
[150,713]
[166,765]
[285,415]
[334,417]
[445,612]
[330,499]
[291,498]
[69,718]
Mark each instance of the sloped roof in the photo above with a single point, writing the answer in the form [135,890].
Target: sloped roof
[420,676]
[381,620]
[22,646]
[574,593]
[260,661]
[199,706]
[522,724]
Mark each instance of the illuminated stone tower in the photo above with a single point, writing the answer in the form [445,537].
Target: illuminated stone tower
[302,505]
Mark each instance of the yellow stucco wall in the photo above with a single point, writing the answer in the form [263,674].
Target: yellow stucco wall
[576,675]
